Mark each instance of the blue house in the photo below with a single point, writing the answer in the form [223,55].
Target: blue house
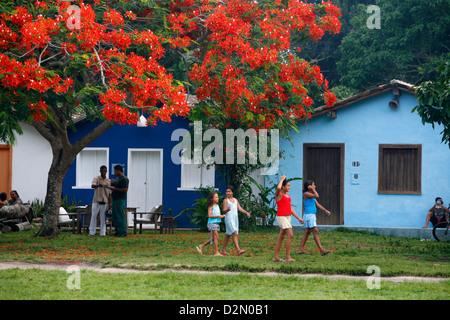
[145,154]
[373,161]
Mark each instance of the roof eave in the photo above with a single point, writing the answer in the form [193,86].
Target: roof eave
[401,85]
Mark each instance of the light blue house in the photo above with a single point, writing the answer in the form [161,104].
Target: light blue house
[373,161]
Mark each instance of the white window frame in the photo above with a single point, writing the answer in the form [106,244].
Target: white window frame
[95,171]
[198,170]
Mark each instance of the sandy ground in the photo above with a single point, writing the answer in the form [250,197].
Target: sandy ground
[100,268]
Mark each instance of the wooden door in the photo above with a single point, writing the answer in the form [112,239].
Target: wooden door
[324,164]
[5,168]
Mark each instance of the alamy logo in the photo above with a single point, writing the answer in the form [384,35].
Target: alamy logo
[374,21]
[74,280]
[74,20]
[373,281]
[235,153]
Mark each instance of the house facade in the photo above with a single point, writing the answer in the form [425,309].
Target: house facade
[25,165]
[156,176]
[373,161]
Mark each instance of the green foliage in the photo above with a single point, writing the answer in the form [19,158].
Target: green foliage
[412,40]
[10,129]
[69,205]
[325,53]
[434,100]
[10,116]
[37,206]
[342,92]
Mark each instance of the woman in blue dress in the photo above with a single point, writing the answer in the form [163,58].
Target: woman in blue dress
[311,204]
[231,207]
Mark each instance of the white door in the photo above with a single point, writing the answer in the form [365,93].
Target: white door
[145,175]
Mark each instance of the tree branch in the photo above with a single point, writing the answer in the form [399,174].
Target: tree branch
[101,68]
[91,136]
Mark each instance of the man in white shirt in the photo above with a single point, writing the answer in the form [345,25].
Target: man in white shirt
[102,196]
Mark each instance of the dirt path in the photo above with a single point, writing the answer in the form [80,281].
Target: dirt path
[100,268]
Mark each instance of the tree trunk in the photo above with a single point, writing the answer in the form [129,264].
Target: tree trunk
[64,153]
[53,197]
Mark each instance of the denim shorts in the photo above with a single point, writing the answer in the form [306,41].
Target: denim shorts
[213,226]
[310,220]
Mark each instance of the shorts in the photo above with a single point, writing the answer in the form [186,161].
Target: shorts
[213,226]
[310,220]
[284,222]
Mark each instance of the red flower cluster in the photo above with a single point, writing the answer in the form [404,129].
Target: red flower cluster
[38,111]
[38,32]
[7,36]
[330,99]
[19,18]
[31,76]
[89,33]
[152,41]
[243,66]
[130,15]
[118,38]
[113,17]
[100,41]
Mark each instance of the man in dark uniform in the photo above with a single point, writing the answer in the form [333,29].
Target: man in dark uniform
[119,188]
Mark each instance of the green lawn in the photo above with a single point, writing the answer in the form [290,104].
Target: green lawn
[352,254]
[41,284]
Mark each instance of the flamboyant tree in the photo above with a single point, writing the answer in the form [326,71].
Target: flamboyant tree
[107,60]
[62,59]
[246,74]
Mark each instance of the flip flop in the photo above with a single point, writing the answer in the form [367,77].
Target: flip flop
[290,260]
[199,250]
[224,253]
[277,260]
[218,255]
[302,252]
[241,252]
[323,254]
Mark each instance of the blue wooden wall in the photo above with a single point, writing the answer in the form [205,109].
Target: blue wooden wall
[122,137]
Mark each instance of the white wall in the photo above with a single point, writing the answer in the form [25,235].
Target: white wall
[31,160]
